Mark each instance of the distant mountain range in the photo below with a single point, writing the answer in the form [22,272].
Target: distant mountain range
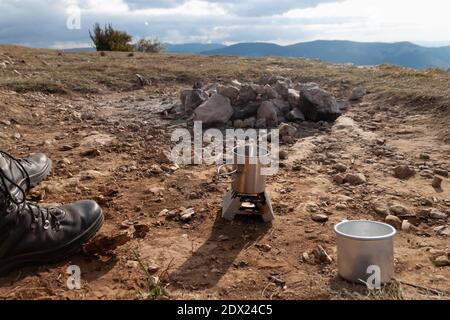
[192,47]
[404,54]
[372,53]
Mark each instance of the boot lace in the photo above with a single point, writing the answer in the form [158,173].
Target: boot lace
[18,162]
[48,216]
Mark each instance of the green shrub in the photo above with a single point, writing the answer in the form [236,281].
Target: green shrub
[148,45]
[109,39]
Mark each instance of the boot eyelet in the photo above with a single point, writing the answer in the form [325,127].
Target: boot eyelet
[46,224]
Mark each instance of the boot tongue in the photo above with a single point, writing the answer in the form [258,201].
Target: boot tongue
[44,217]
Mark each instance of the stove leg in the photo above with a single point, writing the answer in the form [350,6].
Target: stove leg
[267,211]
[231,206]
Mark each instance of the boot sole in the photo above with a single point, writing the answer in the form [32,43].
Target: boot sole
[51,256]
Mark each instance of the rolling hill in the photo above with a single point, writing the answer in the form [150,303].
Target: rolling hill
[401,53]
[192,47]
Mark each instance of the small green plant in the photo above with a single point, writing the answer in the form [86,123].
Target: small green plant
[109,39]
[148,45]
[156,286]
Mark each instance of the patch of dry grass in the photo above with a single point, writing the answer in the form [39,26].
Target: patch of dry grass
[53,71]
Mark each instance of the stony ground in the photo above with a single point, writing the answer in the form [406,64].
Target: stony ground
[109,145]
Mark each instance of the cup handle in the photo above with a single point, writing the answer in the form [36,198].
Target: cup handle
[219,174]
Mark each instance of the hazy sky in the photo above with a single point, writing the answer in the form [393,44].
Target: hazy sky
[43,23]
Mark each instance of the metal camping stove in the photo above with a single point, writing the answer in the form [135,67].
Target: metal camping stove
[248,194]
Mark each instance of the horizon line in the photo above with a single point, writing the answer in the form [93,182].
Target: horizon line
[418,43]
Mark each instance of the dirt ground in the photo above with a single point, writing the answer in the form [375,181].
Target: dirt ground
[105,145]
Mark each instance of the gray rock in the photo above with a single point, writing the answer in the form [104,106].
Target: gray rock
[132,264]
[437,182]
[404,172]
[319,217]
[289,83]
[183,96]
[246,94]
[228,91]
[259,89]
[249,122]
[381,208]
[282,88]
[318,105]
[163,156]
[270,92]
[357,93]
[426,173]
[268,112]
[424,156]
[187,215]
[288,139]
[297,86]
[340,167]
[423,213]
[309,85]
[338,179]
[436,214]
[223,237]
[264,247]
[236,83]
[238,124]
[293,98]
[355,178]
[198,84]
[343,104]
[287,130]
[445,232]
[283,154]
[442,261]
[211,89]
[406,226]
[394,221]
[248,111]
[282,106]
[217,109]
[441,172]
[270,80]
[260,123]
[156,169]
[295,115]
[265,79]
[399,210]
[191,99]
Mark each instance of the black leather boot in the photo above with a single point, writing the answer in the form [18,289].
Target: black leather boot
[30,234]
[26,172]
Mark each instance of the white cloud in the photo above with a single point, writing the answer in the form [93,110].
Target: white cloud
[193,8]
[42,22]
[381,20]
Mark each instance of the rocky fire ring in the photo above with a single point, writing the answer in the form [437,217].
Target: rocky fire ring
[272,102]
